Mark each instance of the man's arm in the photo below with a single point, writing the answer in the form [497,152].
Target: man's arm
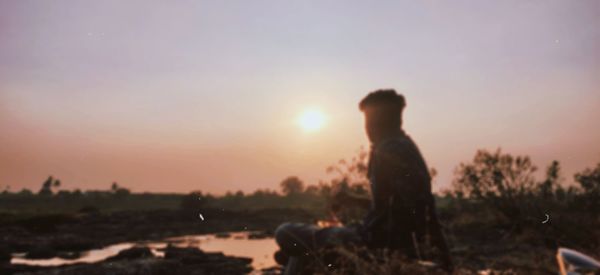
[382,188]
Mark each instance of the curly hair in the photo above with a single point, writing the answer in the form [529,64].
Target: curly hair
[389,105]
[381,97]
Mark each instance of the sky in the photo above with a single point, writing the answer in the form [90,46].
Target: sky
[174,96]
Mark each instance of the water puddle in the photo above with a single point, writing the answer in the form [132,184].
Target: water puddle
[235,244]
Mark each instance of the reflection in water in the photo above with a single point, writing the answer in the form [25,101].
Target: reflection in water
[91,256]
[260,250]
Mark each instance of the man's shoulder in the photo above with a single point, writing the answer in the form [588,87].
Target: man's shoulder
[395,146]
[400,149]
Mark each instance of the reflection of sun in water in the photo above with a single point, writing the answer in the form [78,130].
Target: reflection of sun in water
[311,120]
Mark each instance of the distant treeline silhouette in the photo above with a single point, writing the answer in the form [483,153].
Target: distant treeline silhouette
[498,181]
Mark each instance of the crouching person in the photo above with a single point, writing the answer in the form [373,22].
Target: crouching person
[402,215]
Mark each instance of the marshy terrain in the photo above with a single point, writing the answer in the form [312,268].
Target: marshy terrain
[498,219]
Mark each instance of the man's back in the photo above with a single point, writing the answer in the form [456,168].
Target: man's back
[400,184]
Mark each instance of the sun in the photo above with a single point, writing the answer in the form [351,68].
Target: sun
[311,120]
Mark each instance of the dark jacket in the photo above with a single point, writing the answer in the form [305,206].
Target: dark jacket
[403,208]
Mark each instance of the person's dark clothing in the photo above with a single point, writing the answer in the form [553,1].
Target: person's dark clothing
[403,208]
[400,185]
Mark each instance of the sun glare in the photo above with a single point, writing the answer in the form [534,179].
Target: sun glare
[311,120]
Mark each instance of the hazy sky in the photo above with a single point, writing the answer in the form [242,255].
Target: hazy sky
[182,95]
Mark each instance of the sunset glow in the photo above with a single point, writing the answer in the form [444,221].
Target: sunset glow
[311,120]
[224,96]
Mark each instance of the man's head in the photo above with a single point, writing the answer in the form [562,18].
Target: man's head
[383,113]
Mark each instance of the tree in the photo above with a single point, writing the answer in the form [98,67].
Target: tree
[551,184]
[25,192]
[63,193]
[77,192]
[589,180]
[312,190]
[119,191]
[193,202]
[6,190]
[353,171]
[46,189]
[497,179]
[495,175]
[291,186]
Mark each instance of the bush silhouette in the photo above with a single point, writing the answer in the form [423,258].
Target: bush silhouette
[291,186]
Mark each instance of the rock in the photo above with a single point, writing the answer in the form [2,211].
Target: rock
[41,252]
[223,235]
[258,235]
[70,255]
[177,260]
[215,262]
[70,242]
[150,266]
[136,252]
[274,270]
[5,255]
[186,255]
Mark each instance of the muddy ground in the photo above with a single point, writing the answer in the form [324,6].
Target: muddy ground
[476,246]
[66,235]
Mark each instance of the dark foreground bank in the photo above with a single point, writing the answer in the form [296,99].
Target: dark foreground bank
[68,235]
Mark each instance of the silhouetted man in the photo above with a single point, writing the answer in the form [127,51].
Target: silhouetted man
[402,213]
